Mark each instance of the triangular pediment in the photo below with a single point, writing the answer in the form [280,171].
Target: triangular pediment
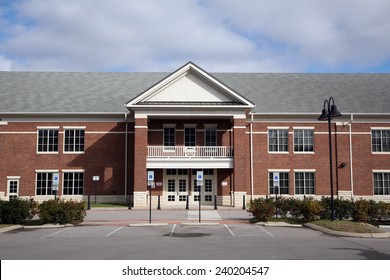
[189,86]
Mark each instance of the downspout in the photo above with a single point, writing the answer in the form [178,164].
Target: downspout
[251,153]
[126,165]
[350,155]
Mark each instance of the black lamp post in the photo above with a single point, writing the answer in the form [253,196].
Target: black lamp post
[329,112]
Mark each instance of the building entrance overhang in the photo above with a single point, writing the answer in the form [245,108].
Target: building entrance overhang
[193,163]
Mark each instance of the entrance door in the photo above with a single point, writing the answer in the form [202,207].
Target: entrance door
[13,187]
[176,186]
[208,189]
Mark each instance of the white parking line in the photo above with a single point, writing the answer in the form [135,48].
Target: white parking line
[232,233]
[173,229]
[266,231]
[114,231]
[55,232]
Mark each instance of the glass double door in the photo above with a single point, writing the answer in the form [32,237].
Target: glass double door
[177,187]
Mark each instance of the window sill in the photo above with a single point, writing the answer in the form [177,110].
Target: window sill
[47,153]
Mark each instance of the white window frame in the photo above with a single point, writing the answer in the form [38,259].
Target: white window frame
[280,171]
[63,181]
[39,128]
[304,188]
[74,128]
[268,138]
[304,129]
[379,152]
[13,179]
[169,148]
[36,181]
[373,182]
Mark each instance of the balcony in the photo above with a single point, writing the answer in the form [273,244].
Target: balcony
[190,157]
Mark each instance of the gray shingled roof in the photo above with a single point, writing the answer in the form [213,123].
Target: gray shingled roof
[27,92]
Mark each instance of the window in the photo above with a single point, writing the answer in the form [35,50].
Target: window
[44,183]
[382,183]
[48,140]
[169,136]
[13,186]
[380,140]
[189,136]
[171,185]
[208,185]
[304,183]
[210,136]
[74,140]
[278,140]
[283,183]
[182,185]
[73,183]
[303,140]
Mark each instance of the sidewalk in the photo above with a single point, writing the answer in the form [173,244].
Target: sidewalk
[98,216]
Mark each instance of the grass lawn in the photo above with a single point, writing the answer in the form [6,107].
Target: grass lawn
[4,225]
[348,226]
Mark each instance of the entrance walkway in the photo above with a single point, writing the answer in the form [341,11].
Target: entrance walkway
[125,216]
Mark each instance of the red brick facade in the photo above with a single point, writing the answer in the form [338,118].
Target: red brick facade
[237,146]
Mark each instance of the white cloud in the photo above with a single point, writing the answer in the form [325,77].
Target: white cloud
[5,64]
[218,35]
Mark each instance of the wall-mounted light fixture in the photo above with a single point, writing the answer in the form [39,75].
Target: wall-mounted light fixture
[343,164]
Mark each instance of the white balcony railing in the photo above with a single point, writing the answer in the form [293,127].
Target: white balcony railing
[193,151]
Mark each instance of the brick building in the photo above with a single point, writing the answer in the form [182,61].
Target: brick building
[240,129]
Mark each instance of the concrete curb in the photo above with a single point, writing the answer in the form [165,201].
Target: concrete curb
[48,226]
[348,234]
[13,227]
[278,224]
[194,224]
[148,225]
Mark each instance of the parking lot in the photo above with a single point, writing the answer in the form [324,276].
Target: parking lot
[176,241]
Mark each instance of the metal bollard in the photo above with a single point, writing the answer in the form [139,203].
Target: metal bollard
[158,203]
[215,202]
[187,203]
[89,203]
[243,202]
[129,202]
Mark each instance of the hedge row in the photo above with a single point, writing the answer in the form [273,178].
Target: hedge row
[263,209]
[19,211]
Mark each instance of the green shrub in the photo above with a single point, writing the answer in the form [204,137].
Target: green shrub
[377,211]
[311,209]
[343,208]
[293,206]
[262,209]
[360,212]
[61,212]
[14,211]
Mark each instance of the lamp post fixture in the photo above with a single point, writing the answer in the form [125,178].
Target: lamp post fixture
[328,112]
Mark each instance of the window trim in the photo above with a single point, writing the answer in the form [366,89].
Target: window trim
[373,182]
[9,180]
[372,150]
[36,181]
[63,181]
[39,128]
[303,152]
[286,171]
[74,128]
[305,171]
[268,142]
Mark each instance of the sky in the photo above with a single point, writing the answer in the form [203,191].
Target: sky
[267,36]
